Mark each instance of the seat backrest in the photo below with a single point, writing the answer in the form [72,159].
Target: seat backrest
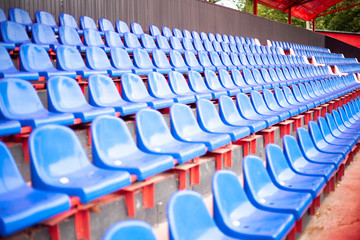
[217,46]
[211,37]
[113,40]
[269,99]
[178,83]
[162,42]
[18,98]
[120,58]
[323,126]
[102,90]
[55,151]
[105,25]
[305,142]
[12,32]
[88,23]
[132,87]
[158,86]
[215,59]
[187,211]
[196,82]
[141,59]
[225,79]
[68,20]
[152,130]
[237,77]
[198,45]
[6,63]
[136,28]
[154,30]
[43,34]
[208,116]
[3,16]
[131,41]
[204,59]
[166,32]
[191,59]
[244,105]
[258,101]
[64,94]
[276,162]
[20,16]
[195,35]
[177,33]
[212,80]
[147,41]
[248,77]
[45,18]
[130,230]
[292,149]
[121,27]
[97,59]
[176,44]
[69,58]
[34,58]
[69,36]
[187,34]
[183,121]
[176,59]
[204,36]
[92,38]
[208,46]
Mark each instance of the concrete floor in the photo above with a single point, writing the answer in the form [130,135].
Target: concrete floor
[337,218]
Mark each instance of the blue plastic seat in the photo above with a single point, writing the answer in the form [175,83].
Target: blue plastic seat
[136,28]
[69,36]
[188,46]
[300,164]
[198,45]
[261,107]
[166,32]
[250,81]
[87,23]
[177,62]
[285,178]
[210,121]
[281,100]
[44,35]
[259,79]
[273,105]
[69,21]
[208,46]
[65,96]
[225,59]
[105,25]
[184,127]
[187,211]
[213,83]
[227,82]
[21,205]
[264,194]
[187,34]
[239,81]
[192,62]
[161,62]
[176,44]
[46,18]
[159,88]
[20,16]
[92,38]
[204,36]
[19,101]
[120,60]
[114,148]
[9,127]
[163,43]
[290,98]
[248,112]
[131,41]
[197,84]
[217,46]
[13,34]
[35,59]
[142,60]
[154,136]
[148,43]
[121,27]
[231,116]
[312,153]
[8,70]
[195,35]
[154,31]
[134,90]
[130,230]
[59,164]
[237,217]
[3,16]
[177,33]
[103,93]
[205,62]
[216,61]
[179,86]
[113,40]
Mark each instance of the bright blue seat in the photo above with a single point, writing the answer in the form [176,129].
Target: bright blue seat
[213,83]
[69,36]
[259,79]
[312,153]
[163,43]
[87,23]
[46,18]
[230,115]
[195,35]
[9,127]
[154,136]
[134,90]
[65,96]
[249,80]
[177,33]
[166,32]
[261,108]
[204,36]
[59,164]
[92,38]
[130,230]
[300,164]
[239,81]
[13,34]
[225,59]
[290,98]
[176,44]
[8,70]
[69,59]
[159,88]
[177,62]
[217,46]
[281,100]
[179,86]
[340,131]
[187,211]
[148,43]
[197,84]
[237,217]
[187,34]
[113,40]
[19,101]
[285,178]
[20,16]
[114,148]
[121,27]
[248,112]
[205,62]
[103,93]
[44,35]
[216,61]
[227,82]
[208,46]
[273,105]
[136,28]
[192,62]
[211,37]
[264,194]
[131,41]
[210,121]
[21,205]
[105,25]
[198,45]
[154,31]
[69,21]
[142,60]
[184,127]
[188,46]
[121,61]
[161,62]
[96,59]
[3,16]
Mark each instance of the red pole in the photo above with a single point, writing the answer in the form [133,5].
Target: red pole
[289,16]
[313,24]
[255,7]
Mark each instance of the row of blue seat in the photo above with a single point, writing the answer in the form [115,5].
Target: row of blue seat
[288,45]
[57,145]
[273,197]
[310,53]
[349,68]
[336,61]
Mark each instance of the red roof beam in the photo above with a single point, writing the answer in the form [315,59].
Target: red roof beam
[337,10]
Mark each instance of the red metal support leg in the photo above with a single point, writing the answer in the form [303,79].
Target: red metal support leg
[298,226]
[285,127]
[222,154]
[248,144]
[82,224]
[54,232]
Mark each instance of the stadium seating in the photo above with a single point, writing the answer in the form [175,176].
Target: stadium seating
[129,230]
[46,18]
[21,16]
[44,35]
[13,34]
[69,21]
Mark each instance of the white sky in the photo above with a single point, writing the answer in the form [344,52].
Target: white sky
[227,3]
